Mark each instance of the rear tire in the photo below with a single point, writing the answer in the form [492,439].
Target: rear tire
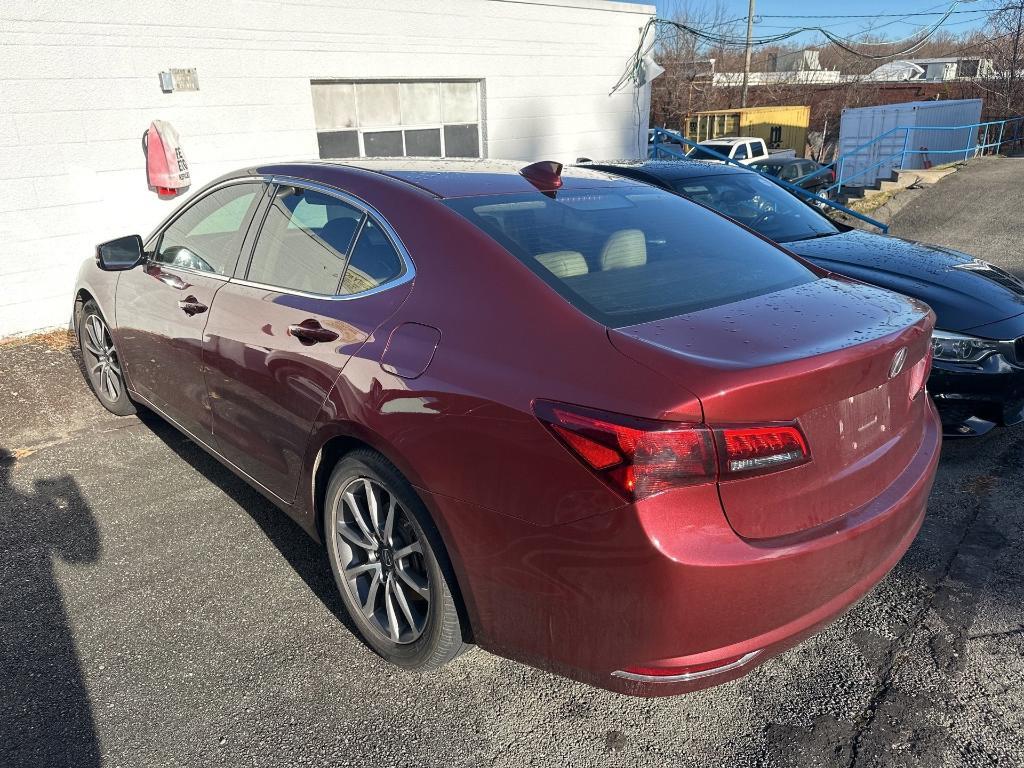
[390,565]
[101,363]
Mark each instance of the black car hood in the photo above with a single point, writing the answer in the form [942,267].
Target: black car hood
[964,292]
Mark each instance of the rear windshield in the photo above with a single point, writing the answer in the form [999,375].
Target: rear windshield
[634,254]
[758,203]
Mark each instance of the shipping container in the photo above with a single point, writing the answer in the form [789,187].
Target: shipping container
[904,135]
[780,127]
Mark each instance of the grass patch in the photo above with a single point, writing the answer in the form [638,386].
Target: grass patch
[871,203]
[60,340]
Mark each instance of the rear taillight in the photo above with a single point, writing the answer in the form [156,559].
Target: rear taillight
[754,450]
[642,457]
[638,457]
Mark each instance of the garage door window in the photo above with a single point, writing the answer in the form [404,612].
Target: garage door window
[397,118]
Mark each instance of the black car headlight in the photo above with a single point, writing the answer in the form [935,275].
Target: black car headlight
[959,348]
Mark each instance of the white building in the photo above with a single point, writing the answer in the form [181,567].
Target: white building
[296,79]
[933,70]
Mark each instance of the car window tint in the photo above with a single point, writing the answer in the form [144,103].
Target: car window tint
[208,235]
[759,203]
[374,261]
[303,242]
[633,254]
[741,152]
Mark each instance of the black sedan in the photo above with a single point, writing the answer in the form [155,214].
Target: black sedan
[978,375]
[797,170]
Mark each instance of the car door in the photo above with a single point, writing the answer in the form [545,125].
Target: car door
[162,306]
[324,273]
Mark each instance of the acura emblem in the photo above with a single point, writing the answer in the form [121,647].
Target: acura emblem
[897,363]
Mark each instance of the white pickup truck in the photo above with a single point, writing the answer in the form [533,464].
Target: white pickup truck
[742,149]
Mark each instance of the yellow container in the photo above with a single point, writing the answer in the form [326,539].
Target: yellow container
[780,127]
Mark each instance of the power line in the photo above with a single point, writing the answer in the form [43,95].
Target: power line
[677,28]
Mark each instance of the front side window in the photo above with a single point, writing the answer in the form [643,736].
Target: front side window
[633,254]
[761,204]
[208,235]
[304,242]
[741,152]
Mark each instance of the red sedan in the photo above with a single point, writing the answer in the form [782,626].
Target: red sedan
[578,421]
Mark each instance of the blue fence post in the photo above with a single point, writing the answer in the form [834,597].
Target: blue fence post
[903,156]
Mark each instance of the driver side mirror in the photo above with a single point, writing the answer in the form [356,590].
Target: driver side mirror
[120,254]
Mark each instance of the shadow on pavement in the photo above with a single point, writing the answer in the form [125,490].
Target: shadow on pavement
[305,556]
[45,715]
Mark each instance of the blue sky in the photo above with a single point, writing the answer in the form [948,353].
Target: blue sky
[971,15]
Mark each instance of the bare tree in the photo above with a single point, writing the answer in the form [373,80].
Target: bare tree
[1005,46]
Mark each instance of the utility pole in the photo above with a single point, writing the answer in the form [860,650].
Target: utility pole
[1014,62]
[746,54]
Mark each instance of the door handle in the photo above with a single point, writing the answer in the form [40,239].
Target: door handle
[190,305]
[311,332]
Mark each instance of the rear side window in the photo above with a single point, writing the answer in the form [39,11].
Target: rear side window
[207,236]
[633,254]
[304,242]
[374,261]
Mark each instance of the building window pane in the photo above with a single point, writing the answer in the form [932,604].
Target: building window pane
[383,144]
[425,142]
[421,103]
[338,143]
[378,104]
[459,102]
[461,141]
[334,106]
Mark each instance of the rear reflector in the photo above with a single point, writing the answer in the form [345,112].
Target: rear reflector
[685,673]
[642,457]
[750,450]
[919,374]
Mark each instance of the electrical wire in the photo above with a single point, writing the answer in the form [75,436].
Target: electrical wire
[661,26]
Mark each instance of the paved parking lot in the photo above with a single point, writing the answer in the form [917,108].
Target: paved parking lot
[157,612]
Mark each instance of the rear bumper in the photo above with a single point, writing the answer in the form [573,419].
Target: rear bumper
[667,583]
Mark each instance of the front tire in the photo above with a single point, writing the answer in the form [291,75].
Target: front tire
[389,564]
[101,362]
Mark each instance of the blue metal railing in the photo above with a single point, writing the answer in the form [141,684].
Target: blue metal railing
[660,148]
[1010,132]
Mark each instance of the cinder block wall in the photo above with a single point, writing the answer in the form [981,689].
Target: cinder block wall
[79,86]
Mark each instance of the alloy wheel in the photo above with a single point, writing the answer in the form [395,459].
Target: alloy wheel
[103,364]
[381,558]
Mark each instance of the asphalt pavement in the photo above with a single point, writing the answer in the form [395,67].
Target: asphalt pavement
[154,611]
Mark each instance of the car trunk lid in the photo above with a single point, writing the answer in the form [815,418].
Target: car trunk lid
[825,355]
